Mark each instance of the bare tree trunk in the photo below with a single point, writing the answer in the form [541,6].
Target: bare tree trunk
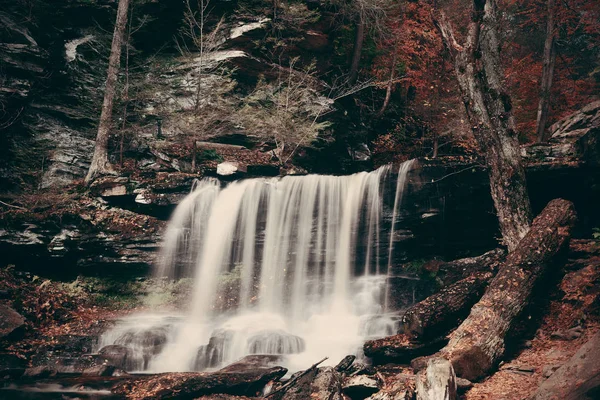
[547,75]
[478,71]
[358,45]
[100,164]
[390,86]
[479,342]
[194,151]
[125,95]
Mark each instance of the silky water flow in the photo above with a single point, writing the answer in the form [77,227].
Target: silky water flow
[293,266]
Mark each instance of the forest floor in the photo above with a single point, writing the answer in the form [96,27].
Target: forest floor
[571,318]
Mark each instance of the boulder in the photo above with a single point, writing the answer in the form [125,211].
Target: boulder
[40,372]
[11,365]
[117,355]
[578,378]
[360,386]
[253,362]
[100,370]
[194,385]
[12,324]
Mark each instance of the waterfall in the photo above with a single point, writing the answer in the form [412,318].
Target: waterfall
[304,259]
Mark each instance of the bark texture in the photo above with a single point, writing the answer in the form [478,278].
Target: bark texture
[440,313]
[100,164]
[389,87]
[547,75]
[478,71]
[400,349]
[578,379]
[437,382]
[453,271]
[357,52]
[479,342]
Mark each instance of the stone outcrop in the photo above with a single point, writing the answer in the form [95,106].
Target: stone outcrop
[11,322]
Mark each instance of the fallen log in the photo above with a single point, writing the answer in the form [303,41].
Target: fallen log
[479,342]
[440,313]
[578,379]
[437,382]
[450,272]
[400,349]
[192,385]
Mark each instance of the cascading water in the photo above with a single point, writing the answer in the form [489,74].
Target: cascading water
[305,263]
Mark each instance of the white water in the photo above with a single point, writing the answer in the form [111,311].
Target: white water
[307,255]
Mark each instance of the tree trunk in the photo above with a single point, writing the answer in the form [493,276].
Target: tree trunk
[479,342]
[438,382]
[440,313]
[356,54]
[578,379]
[451,272]
[390,86]
[194,151]
[547,75]
[478,71]
[100,164]
[400,349]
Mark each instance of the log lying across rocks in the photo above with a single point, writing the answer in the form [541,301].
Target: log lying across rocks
[440,313]
[578,379]
[192,385]
[425,323]
[400,349]
[450,272]
[479,342]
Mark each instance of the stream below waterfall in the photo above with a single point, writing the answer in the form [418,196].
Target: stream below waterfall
[306,260]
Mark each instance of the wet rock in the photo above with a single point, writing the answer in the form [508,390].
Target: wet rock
[40,372]
[117,355]
[360,386]
[345,363]
[326,385]
[462,385]
[142,345]
[252,362]
[12,324]
[212,354]
[194,385]
[275,342]
[100,370]
[319,383]
[11,366]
